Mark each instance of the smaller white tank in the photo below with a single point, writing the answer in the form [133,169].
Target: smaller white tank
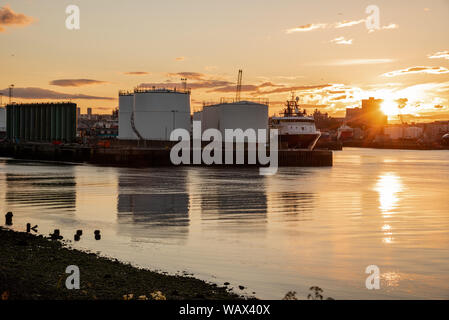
[238,115]
[126,104]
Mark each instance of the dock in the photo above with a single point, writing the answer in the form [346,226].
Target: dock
[138,156]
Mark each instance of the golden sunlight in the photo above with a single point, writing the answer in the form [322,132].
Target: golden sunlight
[390,107]
[388,186]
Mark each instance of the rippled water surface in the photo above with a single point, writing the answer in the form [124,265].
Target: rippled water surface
[301,227]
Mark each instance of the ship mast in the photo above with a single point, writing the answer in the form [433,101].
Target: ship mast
[292,107]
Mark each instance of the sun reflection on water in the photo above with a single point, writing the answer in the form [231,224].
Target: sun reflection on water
[388,186]
[390,279]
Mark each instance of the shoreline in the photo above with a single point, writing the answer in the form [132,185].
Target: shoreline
[32,267]
[394,146]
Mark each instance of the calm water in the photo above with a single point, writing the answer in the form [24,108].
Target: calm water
[302,227]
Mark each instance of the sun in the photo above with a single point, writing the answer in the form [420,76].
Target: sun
[390,107]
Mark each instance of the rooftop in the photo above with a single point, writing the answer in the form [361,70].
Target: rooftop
[153,89]
[234,101]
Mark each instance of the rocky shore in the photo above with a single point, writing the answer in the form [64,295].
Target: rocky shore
[33,268]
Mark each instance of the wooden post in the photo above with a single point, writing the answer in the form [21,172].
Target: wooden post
[8,218]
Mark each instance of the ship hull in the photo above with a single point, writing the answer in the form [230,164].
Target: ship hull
[299,141]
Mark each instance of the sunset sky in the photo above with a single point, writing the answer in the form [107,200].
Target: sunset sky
[321,50]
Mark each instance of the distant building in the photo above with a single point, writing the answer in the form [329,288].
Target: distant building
[372,113]
[98,126]
[394,132]
[413,133]
[324,122]
[435,130]
[403,132]
[354,116]
[369,117]
[89,113]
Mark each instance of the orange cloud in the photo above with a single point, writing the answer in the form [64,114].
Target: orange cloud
[337,25]
[344,24]
[341,40]
[188,75]
[295,88]
[180,58]
[136,73]
[203,84]
[307,27]
[10,18]
[390,26]
[39,93]
[414,70]
[75,82]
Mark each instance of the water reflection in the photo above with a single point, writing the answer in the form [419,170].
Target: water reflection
[292,205]
[234,201]
[388,186]
[54,192]
[154,200]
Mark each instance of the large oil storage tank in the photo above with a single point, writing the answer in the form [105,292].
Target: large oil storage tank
[236,115]
[155,113]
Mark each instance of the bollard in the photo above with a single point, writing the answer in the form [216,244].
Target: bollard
[8,219]
[97,235]
[55,235]
[28,227]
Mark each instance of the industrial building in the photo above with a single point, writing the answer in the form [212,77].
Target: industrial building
[152,114]
[45,122]
[2,120]
[234,115]
[398,132]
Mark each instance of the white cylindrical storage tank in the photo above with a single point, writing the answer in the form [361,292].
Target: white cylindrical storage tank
[198,116]
[125,131]
[159,111]
[210,117]
[240,115]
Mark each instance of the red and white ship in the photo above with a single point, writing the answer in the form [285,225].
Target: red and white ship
[296,130]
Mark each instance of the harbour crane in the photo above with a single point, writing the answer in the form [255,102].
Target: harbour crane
[239,86]
[11,87]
